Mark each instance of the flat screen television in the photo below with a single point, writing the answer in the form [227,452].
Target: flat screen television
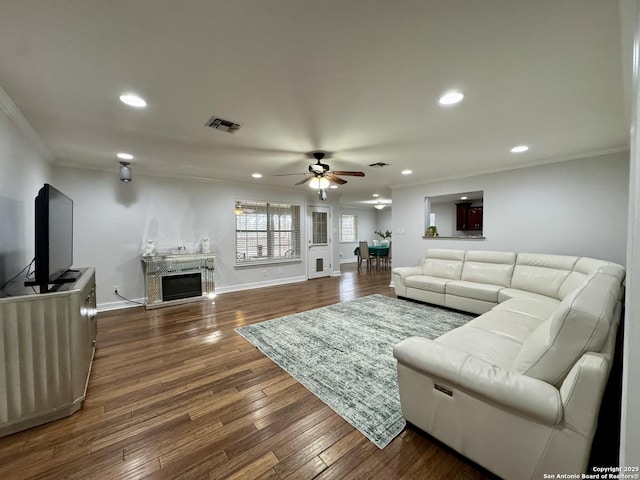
[53,239]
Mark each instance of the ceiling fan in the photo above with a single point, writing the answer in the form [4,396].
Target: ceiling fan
[321,175]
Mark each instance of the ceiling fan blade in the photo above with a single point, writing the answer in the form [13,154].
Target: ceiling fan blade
[287,174]
[332,178]
[348,174]
[304,180]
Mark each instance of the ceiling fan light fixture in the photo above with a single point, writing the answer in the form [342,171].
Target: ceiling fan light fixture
[319,183]
[379,206]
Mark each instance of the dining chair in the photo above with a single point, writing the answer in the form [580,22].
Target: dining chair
[364,254]
[387,258]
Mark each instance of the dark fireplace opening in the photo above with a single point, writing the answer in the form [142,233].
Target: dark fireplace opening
[185,285]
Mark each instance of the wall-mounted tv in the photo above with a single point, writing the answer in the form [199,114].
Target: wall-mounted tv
[53,239]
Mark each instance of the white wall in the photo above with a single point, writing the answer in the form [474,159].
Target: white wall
[113,220]
[384,221]
[576,207]
[630,433]
[23,171]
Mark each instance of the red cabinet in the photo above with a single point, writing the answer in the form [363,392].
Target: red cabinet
[468,217]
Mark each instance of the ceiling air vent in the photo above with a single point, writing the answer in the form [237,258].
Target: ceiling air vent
[379,164]
[222,125]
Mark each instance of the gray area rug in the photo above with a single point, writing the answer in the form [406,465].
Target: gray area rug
[343,354]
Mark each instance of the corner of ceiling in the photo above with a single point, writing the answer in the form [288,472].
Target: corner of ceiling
[16,116]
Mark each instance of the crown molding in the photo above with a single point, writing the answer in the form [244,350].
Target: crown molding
[12,111]
[533,163]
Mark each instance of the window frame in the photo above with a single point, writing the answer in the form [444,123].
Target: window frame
[355,228]
[263,220]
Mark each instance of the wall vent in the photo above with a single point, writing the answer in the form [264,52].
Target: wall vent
[379,164]
[222,124]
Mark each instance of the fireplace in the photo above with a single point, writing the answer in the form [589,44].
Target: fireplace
[181,285]
[181,278]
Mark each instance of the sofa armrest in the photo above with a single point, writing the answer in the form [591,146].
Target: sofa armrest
[477,377]
[582,391]
[401,273]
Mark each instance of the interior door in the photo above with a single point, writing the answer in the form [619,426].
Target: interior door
[319,240]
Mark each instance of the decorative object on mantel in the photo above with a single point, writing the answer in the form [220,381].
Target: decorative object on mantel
[149,248]
[386,235]
[432,231]
[206,247]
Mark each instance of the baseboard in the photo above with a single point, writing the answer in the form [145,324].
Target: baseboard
[266,283]
[107,306]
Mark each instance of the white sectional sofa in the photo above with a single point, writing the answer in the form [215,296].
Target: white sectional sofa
[517,389]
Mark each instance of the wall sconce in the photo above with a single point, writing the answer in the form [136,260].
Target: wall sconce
[125,172]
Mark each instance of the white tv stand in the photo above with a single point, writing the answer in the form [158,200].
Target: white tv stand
[47,342]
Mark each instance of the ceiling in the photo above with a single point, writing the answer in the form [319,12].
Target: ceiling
[358,78]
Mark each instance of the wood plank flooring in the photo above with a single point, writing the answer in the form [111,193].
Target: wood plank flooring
[176,393]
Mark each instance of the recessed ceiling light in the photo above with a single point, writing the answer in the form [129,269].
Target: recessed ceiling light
[256,175]
[406,172]
[519,149]
[463,197]
[451,98]
[333,187]
[124,156]
[375,195]
[133,100]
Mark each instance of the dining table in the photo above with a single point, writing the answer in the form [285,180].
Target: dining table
[379,251]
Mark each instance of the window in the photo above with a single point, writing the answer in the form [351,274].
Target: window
[266,231]
[348,228]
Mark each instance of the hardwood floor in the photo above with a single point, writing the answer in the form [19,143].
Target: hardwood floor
[176,393]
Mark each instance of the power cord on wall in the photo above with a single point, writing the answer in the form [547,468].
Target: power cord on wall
[125,298]
[17,275]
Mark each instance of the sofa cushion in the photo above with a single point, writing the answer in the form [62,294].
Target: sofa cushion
[542,274]
[583,267]
[429,284]
[580,324]
[507,294]
[492,347]
[478,291]
[538,307]
[514,326]
[443,263]
[495,268]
